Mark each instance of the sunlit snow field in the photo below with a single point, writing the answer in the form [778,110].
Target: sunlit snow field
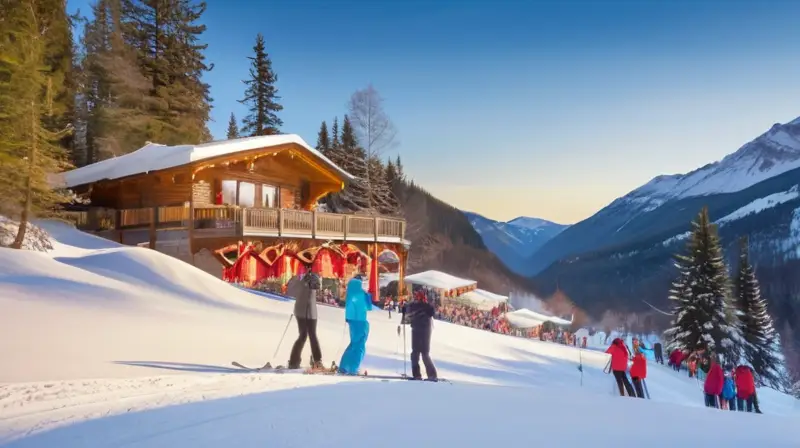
[105,345]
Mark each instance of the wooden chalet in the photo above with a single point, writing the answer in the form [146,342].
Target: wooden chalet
[254,195]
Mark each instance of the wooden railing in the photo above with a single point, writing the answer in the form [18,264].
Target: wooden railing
[233,221]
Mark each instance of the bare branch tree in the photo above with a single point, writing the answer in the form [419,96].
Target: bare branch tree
[374,129]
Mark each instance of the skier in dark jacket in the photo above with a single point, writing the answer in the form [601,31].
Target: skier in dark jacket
[304,290]
[658,353]
[420,314]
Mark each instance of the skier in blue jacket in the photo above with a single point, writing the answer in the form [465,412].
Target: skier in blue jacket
[357,303]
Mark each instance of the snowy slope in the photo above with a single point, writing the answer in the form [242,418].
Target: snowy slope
[516,240]
[113,346]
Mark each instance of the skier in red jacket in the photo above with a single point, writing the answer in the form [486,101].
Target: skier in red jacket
[714,383]
[619,366]
[745,388]
[639,372]
[675,359]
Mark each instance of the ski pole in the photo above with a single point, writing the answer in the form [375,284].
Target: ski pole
[341,341]
[580,364]
[404,351]
[281,340]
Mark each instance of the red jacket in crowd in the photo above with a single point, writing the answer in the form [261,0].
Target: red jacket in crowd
[619,355]
[639,367]
[715,380]
[676,357]
[745,383]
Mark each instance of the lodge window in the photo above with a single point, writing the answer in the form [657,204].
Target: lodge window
[269,196]
[247,194]
[244,194]
[229,192]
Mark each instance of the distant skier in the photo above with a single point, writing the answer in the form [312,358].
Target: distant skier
[420,314]
[714,383]
[728,397]
[639,372]
[305,292]
[357,303]
[675,359]
[745,388]
[658,353]
[619,366]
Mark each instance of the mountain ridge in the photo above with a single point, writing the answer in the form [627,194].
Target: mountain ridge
[771,154]
[515,240]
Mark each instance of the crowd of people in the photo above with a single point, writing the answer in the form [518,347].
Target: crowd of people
[729,388]
[470,316]
[726,387]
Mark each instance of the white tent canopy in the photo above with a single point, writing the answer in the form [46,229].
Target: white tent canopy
[526,318]
[439,280]
[483,299]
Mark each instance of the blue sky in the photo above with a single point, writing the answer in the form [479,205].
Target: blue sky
[549,109]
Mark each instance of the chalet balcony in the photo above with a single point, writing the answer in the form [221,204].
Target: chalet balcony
[239,222]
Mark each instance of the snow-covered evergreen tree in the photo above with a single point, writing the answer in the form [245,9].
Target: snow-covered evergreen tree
[762,344]
[351,158]
[383,199]
[700,296]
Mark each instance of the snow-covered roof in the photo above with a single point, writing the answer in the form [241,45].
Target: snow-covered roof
[154,157]
[483,298]
[526,318]
[438,280]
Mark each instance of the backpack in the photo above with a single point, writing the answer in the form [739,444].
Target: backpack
[728,389]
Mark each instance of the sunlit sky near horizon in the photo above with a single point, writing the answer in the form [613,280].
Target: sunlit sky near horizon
[550,109]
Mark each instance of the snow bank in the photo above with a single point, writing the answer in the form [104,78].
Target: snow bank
[439,280]
[154,157]
[35,237]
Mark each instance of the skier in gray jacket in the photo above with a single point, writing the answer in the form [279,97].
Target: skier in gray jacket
[304,290]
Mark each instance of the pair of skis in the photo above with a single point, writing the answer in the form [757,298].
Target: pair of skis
[332,371]
[281,369]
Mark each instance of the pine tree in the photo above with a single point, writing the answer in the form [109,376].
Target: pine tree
[261,95]
[323,141]
[383,199]
[117,110]
[349,142]
[29,152]
[398,165]
[166,35]
[347,155]
[391,172]
[233,128]
[58,63]
[700,296]
[762,347]
[335,142]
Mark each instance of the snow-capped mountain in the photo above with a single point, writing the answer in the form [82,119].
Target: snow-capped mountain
[632,216]
[622,258]
[772,153]
[516,240]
